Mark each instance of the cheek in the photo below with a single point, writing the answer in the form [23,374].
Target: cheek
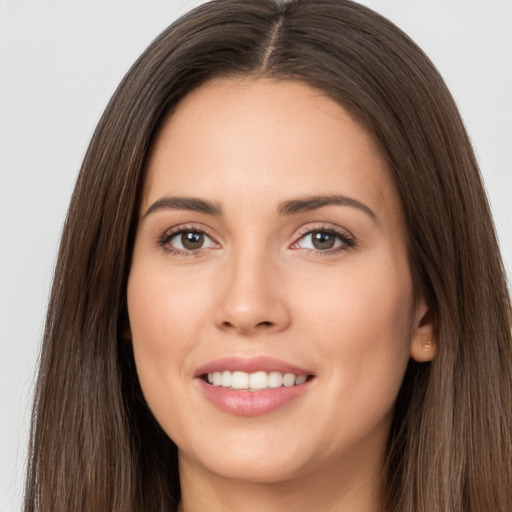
[361,318]
[163,325]
[149,316]
[163,318]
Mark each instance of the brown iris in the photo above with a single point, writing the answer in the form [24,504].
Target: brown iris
[192,240]
[322,240]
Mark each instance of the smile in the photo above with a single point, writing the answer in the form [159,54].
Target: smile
[252,386]
[254,381]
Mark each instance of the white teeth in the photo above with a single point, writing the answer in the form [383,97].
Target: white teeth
[258,380]
[301,379]
[288,380]
[275,379]
[226,379]
[254,381]
[240,380]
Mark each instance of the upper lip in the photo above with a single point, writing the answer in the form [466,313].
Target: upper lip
[250,365]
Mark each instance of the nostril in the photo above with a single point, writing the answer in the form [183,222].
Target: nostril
[266,323]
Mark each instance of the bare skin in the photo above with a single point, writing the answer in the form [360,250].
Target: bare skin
[270,228]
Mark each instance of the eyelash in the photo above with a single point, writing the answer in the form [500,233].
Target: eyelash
[164,240]
[348,242]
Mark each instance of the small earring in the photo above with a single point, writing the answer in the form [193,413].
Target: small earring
[427,345]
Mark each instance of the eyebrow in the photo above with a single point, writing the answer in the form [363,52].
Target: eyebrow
[185,203]
[290,207]
[307,204]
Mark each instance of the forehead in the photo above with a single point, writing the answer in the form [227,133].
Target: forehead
[265,141]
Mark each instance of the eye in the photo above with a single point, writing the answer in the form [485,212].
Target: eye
[187,240]
[324,240]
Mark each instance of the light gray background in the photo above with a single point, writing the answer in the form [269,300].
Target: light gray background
[59,64]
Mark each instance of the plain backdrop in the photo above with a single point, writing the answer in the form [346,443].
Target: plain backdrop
[59,64]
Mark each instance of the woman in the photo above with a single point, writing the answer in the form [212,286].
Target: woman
[279,276]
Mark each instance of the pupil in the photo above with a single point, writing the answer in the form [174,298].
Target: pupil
[192,240]
[323,240]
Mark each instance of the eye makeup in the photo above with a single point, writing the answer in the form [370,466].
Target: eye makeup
[189,240]
[324,240]
[319,239]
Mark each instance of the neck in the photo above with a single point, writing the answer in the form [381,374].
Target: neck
[332,489]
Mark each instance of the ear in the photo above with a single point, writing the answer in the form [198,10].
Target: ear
[423,342]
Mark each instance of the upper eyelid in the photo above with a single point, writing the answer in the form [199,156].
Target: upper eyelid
[189,227]
[348,240]
[338,230]
[304,230]
[170,233]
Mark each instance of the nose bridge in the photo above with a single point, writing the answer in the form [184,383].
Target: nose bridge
[251,300]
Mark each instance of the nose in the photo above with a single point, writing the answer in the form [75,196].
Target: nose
[251,298]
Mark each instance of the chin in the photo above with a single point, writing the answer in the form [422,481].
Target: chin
[254,470]
[256,461]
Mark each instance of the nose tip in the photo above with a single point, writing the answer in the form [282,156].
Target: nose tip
[252,302]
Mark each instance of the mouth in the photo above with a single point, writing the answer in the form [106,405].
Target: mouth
[252,386]
[256,381]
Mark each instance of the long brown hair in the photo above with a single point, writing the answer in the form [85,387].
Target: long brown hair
[95,445]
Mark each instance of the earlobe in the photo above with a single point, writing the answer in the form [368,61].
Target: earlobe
[423,342]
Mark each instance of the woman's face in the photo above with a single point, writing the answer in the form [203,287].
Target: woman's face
[270,250]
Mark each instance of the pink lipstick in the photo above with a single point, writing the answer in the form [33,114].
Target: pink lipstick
[252,386]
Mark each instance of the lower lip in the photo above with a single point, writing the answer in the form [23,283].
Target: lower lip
[252,403]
